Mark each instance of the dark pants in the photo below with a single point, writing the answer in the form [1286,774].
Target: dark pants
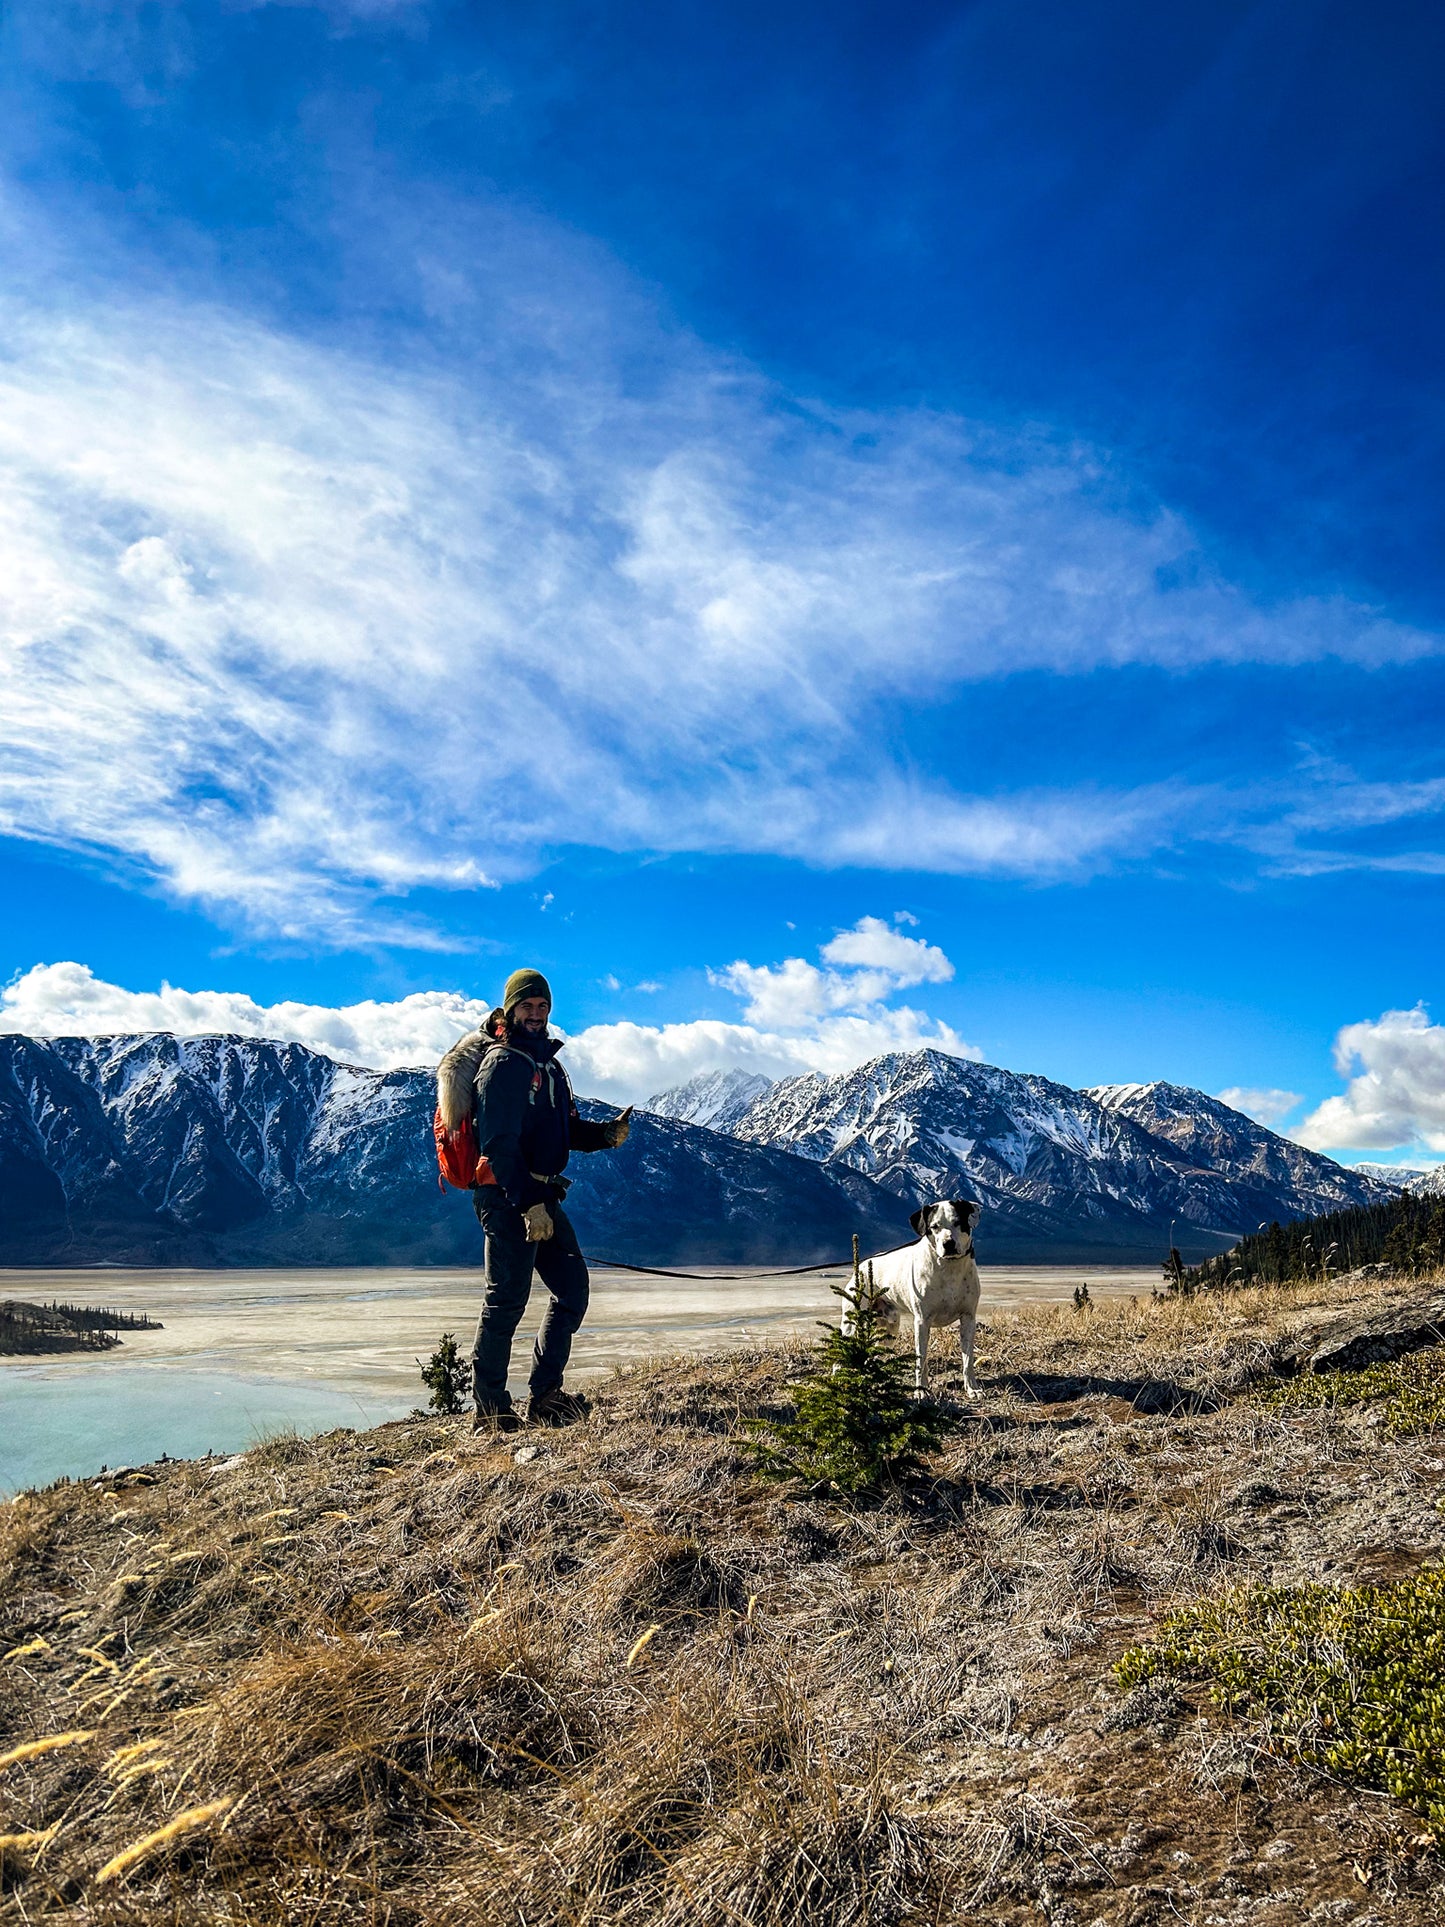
[506,1287]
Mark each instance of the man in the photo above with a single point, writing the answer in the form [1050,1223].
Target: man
[527,1124]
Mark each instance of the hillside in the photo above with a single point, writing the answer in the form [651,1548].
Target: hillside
[1072,1174]
[608,1675]
[156,1150]
[1406,1234]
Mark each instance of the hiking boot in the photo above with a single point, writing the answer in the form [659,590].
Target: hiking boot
[556,1408]
[505,1419]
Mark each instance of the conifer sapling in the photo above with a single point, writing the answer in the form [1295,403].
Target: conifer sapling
[449,1376]
[857,1422]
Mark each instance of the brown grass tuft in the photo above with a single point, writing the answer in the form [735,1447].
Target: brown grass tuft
[139,1850]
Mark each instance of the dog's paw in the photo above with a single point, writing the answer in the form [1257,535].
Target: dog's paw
[972,1393]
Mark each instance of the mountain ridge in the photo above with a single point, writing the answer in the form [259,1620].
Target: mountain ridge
[1049,1161]
[150,1149]
[146,1148]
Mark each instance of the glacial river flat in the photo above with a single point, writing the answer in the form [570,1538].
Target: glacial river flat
[245,1354]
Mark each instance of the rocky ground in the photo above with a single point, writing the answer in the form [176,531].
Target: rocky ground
[609,1674]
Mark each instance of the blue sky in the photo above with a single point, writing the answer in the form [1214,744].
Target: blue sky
[648,490]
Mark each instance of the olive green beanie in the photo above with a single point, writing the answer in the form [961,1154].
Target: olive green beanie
[523,984]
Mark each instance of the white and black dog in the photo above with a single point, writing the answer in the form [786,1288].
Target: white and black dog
[934,1282]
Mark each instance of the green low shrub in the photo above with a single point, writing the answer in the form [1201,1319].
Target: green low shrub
[1350,1679]
[1413,1389]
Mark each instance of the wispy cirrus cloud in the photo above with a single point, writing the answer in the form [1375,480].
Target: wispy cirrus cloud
[292,629]
[1323,824]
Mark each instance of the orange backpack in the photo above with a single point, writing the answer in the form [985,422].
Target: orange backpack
[459,1158]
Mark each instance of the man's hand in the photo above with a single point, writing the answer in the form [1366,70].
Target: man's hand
[538,1220]
[615,1130]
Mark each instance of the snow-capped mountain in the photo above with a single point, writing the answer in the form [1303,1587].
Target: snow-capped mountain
[224,1150]
[1426,1180]
[1058,1171]
[1269,1175]
[714,1098]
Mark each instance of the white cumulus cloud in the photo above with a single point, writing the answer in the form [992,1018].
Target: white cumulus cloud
[863,966]
[873,943]
[1395,1093]
[626,1062]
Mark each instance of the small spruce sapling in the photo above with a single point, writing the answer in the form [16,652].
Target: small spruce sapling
[1176,1277]
[857,1423]
[448,1375]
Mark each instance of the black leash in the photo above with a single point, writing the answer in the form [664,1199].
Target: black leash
[722,1277]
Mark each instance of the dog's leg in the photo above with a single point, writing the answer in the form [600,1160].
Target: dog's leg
[966,1328]
[920,1353]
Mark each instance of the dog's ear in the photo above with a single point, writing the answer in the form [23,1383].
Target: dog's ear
[920,1218]
[969,1209]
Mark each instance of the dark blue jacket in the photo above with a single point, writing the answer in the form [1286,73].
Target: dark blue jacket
[527,1118]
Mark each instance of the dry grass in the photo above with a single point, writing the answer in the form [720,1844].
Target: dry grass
[402,1678]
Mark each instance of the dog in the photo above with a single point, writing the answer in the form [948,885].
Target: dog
[934,1282]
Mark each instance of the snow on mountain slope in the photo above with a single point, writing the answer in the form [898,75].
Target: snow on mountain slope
[714,1098]
[1282,1175]
[153,1149]
[1427,1180]
[928,1125]
[1047,1160]
[227,1150]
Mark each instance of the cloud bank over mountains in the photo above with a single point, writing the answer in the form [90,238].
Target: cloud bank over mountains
[293,630]
[798,1018]
[781,1036]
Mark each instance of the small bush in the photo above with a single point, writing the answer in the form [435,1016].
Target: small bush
[1349,1679]
[858,1424]
[449,1377]
[1413,1388]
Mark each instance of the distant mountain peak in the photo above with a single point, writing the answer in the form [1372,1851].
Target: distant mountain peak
[1125,1161]
[1426,1180]
[716,1099]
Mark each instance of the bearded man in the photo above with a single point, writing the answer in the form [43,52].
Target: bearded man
[527,1125]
